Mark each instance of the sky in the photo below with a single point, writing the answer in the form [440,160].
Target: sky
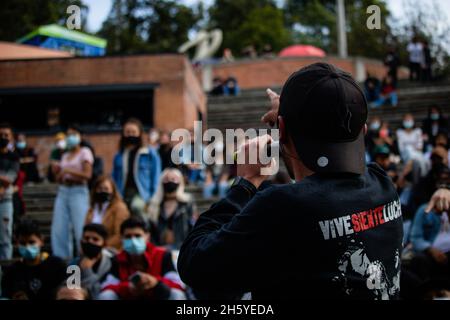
[99,9]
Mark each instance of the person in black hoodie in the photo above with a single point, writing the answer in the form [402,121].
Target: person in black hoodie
[37,275]
[434,124]
[392,62]
[427,65]
[337,230]
[427,185]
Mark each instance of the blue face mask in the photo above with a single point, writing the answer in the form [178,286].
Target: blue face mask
[29,252]
[375,126]
[21,145]
[72,141]
[134,246]
[434,116]
[408,124]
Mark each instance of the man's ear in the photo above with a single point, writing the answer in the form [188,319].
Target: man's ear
[282,130]
[365,129]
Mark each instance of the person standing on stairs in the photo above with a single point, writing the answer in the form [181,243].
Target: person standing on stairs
[72,199]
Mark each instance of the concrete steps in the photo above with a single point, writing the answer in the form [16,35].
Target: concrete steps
[244,111]
[39,200]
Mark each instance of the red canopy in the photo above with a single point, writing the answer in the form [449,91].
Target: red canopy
[302,51]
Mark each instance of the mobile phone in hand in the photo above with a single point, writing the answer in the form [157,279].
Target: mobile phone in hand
[135,278]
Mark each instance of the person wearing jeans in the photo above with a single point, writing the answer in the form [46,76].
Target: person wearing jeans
[72,200]
[9,169]
[388,94]
[71,207]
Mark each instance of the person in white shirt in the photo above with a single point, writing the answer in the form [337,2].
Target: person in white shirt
[416,59]
[410,143]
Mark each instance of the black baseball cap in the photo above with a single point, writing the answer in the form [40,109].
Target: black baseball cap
[325,112]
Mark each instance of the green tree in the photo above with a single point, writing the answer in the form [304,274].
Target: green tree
[363,41]
[122,27]
[150,26]
[249,22]
[19,17]
[314,22]
[428,21]
[169,25]
[263,26]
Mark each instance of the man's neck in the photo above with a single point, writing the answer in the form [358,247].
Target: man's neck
[300,170]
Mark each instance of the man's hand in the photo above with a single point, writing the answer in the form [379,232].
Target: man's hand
[440,201]
[4,181]
[271,116]
[20,295]
[249,171]
[146,282]
[438,255]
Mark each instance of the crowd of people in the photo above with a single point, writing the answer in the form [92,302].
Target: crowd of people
[417,160]
[123,230]
[227,87]
[384,92]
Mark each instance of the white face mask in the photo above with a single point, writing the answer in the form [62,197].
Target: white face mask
[154,136]
[408,124]
[375,125]
[61,144]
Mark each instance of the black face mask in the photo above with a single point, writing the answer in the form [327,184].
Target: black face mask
[102,197]
[436,162]
[131,141]
[4,142]
[170,187]
[90,250]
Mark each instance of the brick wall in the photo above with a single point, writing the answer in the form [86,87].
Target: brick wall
[105,144]
[169,71]
[263,73]
[177,97]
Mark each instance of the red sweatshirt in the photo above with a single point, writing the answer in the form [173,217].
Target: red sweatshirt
[159,263]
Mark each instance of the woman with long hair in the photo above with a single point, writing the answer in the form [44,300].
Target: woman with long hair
[107,208]
[136,168]
[172,212]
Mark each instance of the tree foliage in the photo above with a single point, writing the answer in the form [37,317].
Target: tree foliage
[249,22]
[428,21]
[315,22]
[19,17]
[152,26]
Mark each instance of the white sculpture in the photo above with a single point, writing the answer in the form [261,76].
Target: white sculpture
[207,44]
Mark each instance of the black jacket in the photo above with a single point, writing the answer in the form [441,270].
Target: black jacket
[329,236]
[37,282]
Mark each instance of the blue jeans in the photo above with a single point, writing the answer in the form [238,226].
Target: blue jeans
[6,224]
[69,214]
[392,97]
